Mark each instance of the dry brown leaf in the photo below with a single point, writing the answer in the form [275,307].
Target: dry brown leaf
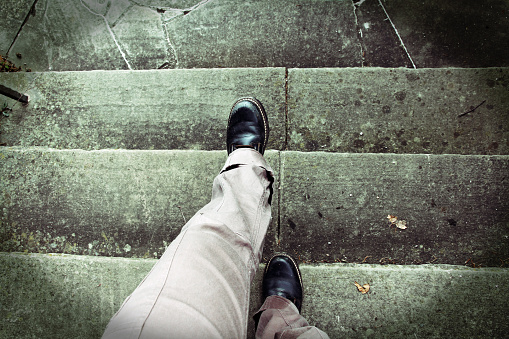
[363,289]
[392,218]
[401,224]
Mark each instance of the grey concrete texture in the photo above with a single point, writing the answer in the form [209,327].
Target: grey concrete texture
[145,34]
[14,14]
[456,33]
[164,109]
[69,296]
[381,110]
[112,203]
[357,110]
[327,207]
[334,208]
[63,296]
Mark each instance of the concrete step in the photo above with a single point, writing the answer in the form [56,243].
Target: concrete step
[64,35]
[355,110]
[68,296]
[330,207]
[110,202]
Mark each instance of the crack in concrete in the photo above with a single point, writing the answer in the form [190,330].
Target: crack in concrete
[359,29]
[167,36]
[176,12]
[121,16]
[280,199]
[47,46]
[184,11]
[111,33]
[30,12]
[397,33]
[278,222]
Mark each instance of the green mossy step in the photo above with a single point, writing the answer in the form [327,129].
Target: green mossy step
[330,207]
[67,296]
[354,110]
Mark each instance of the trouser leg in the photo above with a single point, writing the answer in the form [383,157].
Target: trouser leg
[279,318]
[200,286]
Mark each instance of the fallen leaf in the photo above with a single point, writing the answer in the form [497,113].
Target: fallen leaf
[401,224]
[392,218]
[363,289]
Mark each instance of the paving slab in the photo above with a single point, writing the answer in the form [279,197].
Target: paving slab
[48,296]
[334,208]
[91,35]
[13,16]
[453,33]
[66,35]
[234,33]
[110,202]
[381,46]
[194,34]
[159,109]
[145,34]
[377,110]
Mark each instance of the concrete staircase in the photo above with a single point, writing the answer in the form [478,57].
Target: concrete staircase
[101,169]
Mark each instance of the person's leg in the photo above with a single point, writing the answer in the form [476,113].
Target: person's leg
[279,316]
[200,286]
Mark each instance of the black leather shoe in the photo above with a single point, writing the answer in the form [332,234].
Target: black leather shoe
[282,277]
[248,126]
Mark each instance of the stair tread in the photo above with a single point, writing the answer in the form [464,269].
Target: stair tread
[328,206]
[357,110]
[426,300]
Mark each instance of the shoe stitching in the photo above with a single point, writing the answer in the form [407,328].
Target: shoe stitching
[293,261]
[263,113]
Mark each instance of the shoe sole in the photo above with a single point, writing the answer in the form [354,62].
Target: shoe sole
[258,105]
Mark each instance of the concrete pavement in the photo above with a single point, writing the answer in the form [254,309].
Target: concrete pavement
[63,35]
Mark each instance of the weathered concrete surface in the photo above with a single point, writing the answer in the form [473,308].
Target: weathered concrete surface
[91,35]
[144,34]
[334,207]
[55,296]
[117,202]
[342,110]
[64,296]
[113,203]
[65,35]
[399,110]
[428,301]
[13,16]
[164,109]
[381,46]
[453,33]
[235,33]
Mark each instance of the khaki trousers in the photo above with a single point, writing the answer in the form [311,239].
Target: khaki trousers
[200,287]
